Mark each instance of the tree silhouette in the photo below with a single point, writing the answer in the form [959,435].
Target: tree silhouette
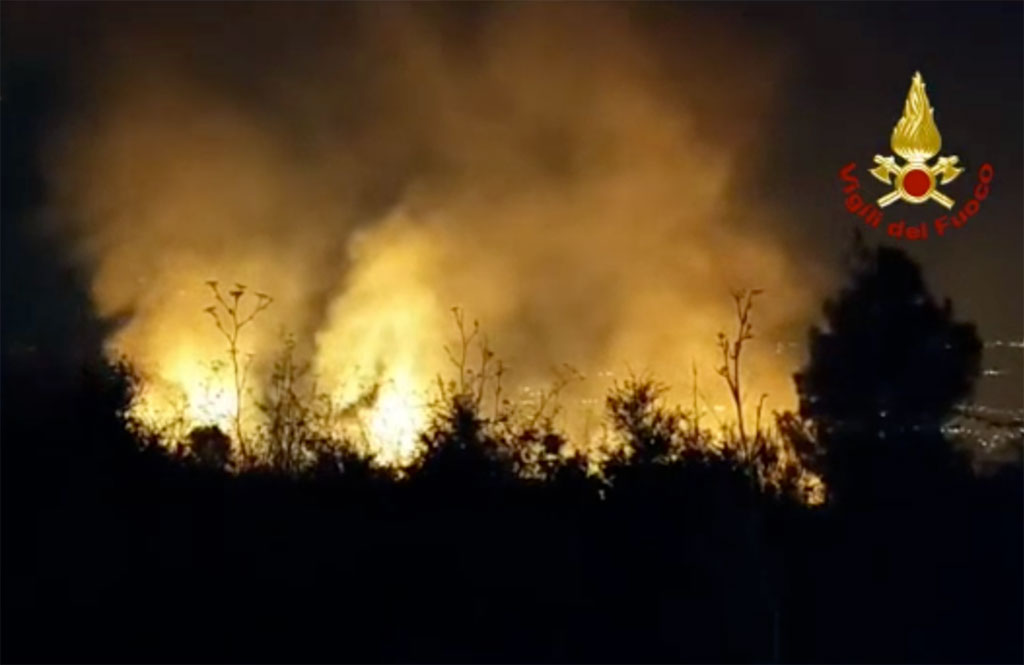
[885,370]
[896,559]
[889,359]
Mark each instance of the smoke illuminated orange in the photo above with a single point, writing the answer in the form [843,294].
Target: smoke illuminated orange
[571,189]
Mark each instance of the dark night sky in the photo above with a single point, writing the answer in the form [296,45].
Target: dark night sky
[847,74]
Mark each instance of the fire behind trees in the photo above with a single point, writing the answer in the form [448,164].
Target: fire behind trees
[500,546]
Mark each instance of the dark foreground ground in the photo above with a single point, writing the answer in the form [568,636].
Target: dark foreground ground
[115,554]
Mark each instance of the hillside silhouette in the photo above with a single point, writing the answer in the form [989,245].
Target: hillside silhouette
[501,545]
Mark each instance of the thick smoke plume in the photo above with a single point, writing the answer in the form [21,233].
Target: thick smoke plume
[563,174]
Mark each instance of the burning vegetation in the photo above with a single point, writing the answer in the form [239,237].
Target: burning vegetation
[292,424]
[572,190]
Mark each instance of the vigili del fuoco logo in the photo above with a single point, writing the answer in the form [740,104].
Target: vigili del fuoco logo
[916,140]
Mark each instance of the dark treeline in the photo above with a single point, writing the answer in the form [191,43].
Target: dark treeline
[117,550]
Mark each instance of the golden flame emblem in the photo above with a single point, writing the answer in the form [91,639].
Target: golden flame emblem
[916,139]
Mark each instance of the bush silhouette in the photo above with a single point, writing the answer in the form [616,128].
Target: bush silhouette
[651,431]
[210,446]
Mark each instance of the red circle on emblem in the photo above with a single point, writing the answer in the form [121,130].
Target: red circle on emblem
[917,182]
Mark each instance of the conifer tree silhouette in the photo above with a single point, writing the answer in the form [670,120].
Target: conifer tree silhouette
[886,368]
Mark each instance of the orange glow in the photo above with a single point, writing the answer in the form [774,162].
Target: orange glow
[569,188]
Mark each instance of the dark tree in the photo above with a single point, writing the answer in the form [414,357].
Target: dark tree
[889,358]
[895,562]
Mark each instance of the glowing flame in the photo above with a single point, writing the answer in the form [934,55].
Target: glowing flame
[397,418]
[915,137]
[187,393]
[386,329]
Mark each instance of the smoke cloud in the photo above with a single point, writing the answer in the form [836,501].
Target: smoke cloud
[566,175]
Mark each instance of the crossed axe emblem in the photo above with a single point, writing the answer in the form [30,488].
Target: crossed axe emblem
[915,182]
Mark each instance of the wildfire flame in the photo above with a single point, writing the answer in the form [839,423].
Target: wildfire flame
[184,394]
[915,137]
[573,190]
